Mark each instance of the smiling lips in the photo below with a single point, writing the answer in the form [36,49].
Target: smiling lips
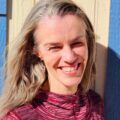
[70,70]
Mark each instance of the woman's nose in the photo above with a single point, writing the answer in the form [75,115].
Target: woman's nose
[69,55]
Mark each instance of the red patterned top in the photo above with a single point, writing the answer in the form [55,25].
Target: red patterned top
[51,106]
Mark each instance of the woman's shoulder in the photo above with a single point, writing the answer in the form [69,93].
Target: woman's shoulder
[10,116]
[93,97]
[20,113]
[96,104]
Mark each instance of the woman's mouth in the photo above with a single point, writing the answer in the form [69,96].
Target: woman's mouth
[71,70]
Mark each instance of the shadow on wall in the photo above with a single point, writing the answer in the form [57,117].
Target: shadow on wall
[112,87]
[101,63]
[108,80]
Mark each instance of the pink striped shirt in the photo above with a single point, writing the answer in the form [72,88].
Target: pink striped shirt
[51,106]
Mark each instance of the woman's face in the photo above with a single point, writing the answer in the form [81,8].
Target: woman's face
[62,45]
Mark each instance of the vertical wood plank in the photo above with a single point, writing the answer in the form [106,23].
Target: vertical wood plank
[112,91]
[3,8]
[36,1]
[89,7]
[2,47]
[3,22]
[2,37]
[101,24]
[16,16]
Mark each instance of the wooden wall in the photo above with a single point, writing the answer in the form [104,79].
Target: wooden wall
[112,87]
[3,36]
[98,12]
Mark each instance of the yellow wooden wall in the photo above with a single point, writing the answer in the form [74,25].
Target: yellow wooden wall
[98,12]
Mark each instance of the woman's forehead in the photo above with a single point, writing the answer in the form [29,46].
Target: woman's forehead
[57,19]
[57,26]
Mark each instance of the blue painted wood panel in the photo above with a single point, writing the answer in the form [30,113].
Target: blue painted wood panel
[2,46]
[3,26]
[3,8]
[112,88]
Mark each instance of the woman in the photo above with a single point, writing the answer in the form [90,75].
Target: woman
[52,66]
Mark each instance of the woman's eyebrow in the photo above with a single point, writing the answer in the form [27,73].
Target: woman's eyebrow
[52,44]
[78,38]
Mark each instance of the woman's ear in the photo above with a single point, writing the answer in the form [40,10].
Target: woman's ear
[35,52]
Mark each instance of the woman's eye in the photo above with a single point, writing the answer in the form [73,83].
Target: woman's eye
[77,44]
[55,48]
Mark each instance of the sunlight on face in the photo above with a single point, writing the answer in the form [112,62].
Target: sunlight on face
[63,48]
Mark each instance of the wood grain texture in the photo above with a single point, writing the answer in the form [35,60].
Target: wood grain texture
[3,6]
[2,47]
[18,11]
[112,91]
[101,25]
[36,1]
[89,7]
